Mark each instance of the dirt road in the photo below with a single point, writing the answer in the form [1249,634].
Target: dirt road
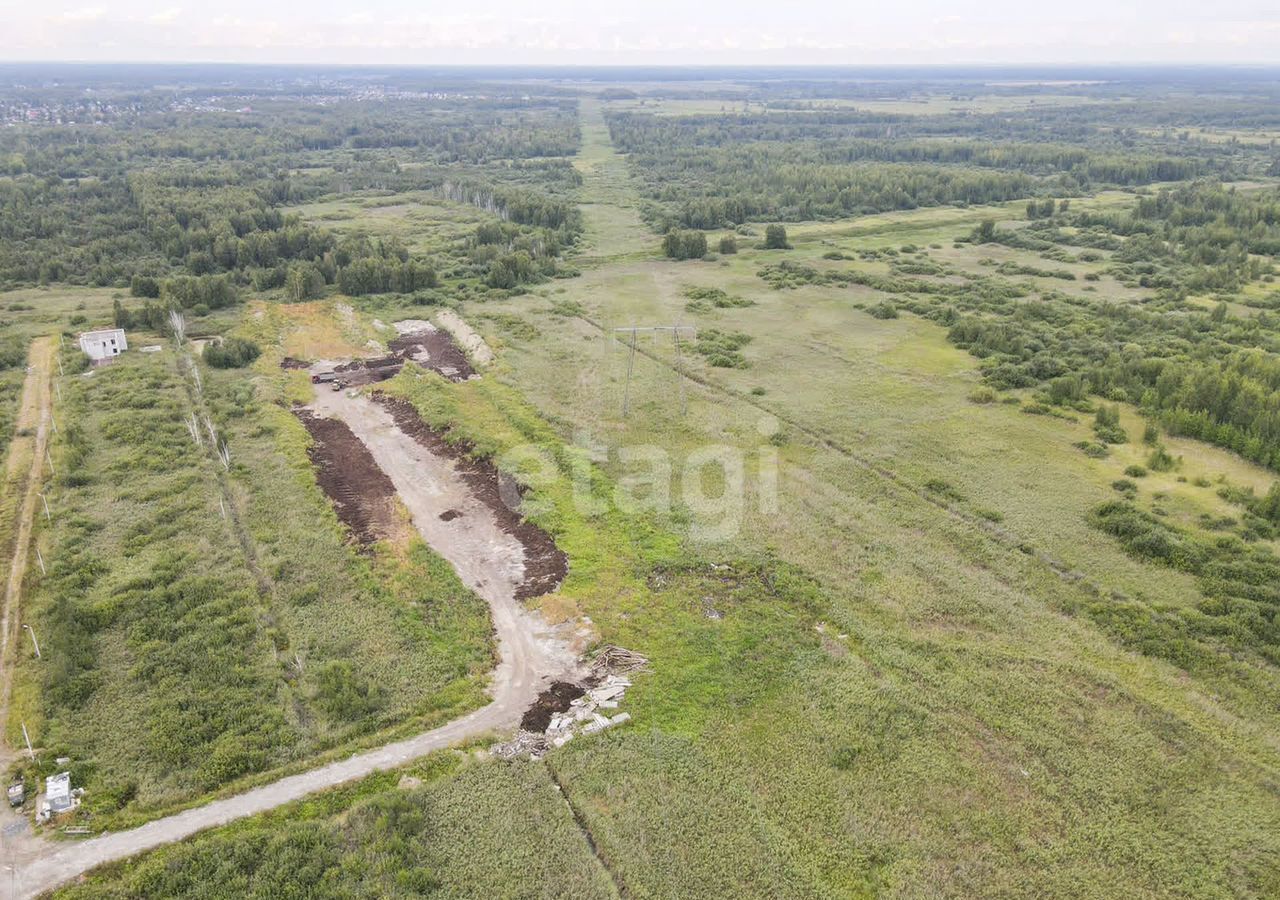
[487,559]
[23,476]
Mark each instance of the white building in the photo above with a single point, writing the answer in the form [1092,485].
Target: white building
[105,344]
[58,797]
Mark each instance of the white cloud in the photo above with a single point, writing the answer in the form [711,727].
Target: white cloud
[670,31]
[165,16]
[84,14]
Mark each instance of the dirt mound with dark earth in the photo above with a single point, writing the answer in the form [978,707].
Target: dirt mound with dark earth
[290,362]
[545,565]
[369,371]
[555,699]
[434,350]
[361,493]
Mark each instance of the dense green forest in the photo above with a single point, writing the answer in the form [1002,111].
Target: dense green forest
[708,171]
[165,192]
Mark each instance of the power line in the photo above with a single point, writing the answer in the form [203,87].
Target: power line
[635,331]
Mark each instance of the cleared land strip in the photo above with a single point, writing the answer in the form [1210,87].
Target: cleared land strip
[487,559]
[23,477]
[609,200]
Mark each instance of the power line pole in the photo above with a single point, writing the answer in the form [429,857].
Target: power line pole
[634,331]
[32,632]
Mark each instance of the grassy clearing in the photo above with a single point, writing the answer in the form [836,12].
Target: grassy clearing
[459,831]
[422,221]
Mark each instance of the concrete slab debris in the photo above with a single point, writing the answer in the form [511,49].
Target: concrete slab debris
[582,714]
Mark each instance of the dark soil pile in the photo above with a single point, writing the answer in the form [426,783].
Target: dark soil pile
[290,362]
[361,493]
[545,565]
[369,371]
[434,350]
[555,699]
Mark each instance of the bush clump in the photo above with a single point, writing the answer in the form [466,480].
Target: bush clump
[1160,460]
[722,349]
[684,244]
[233,353]
[1106,425]
[775,238]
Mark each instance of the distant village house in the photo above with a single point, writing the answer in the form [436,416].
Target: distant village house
[105,344]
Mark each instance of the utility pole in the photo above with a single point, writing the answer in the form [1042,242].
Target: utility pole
[634,331]
[40,559]
[26,737]
[36,643]
[45,500]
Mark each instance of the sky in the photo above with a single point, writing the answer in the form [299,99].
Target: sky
[684,32]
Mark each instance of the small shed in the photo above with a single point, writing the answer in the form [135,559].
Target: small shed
[59,797]
[105,344]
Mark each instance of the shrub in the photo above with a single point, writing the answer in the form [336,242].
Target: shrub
[884,310]
[684,244]
[722,348]
[702,299]
[983,394]
[728,245]
[943,489]
[342,694]
[1110,435]
[1092,449]
[1136,471]
[775,238]
[233,353]
[1160,460]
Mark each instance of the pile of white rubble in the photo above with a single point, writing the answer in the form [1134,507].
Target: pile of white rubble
[610,677]
[586,709]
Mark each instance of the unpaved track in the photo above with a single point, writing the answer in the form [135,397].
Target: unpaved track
[26,452]
[487,559]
